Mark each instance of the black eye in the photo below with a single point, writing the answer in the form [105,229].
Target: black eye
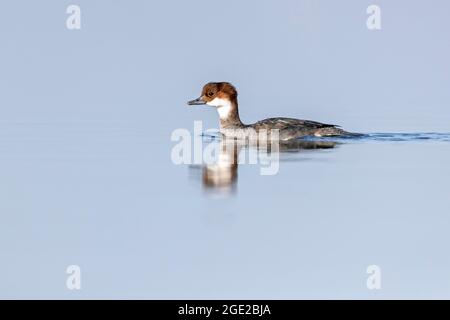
[210,94]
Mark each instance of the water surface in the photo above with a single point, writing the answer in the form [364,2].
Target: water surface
[86,176]
[107,197]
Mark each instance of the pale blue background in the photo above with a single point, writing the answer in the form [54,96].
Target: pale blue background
[85,170]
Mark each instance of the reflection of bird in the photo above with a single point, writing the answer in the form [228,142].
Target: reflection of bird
[298,145]
[222,175]
[223,96]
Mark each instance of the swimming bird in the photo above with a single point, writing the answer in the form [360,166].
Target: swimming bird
[223,96]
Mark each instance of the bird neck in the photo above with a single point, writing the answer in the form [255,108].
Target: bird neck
[229,114]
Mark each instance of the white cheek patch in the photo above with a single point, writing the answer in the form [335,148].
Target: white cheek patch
[216,102]
[223,107]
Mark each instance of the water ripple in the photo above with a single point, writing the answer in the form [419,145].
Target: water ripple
[405,136]
[376,136]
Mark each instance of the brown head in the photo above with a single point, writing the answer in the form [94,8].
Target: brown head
[223,96]
[216,90]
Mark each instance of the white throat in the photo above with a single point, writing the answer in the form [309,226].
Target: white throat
[223,107]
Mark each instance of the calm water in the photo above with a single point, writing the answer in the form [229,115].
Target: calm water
[106,196]
[86,176]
